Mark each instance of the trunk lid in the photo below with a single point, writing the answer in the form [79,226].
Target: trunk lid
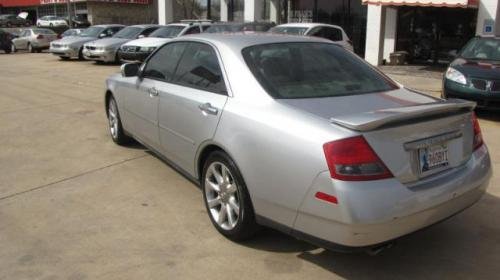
[415,135]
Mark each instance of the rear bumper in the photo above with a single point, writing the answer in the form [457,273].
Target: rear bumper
[104,56]
[381,211]
[482,98]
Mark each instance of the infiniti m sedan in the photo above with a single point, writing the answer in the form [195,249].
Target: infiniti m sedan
[301,135]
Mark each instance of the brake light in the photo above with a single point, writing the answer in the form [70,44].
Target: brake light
[352,159]
[478,136]
[40,36]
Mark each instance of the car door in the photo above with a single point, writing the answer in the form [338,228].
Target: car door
[22,41]
[191,104]
[142,98]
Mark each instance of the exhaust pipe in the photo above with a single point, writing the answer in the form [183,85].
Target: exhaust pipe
[378,249]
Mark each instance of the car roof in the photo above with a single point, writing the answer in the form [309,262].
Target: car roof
[108,25]
[240,40]
[307,25]
[145,25]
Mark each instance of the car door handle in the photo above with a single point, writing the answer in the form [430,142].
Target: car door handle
[208,108]
[153,92]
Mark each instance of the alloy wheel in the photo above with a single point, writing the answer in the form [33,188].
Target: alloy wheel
[113,119]
[222,196]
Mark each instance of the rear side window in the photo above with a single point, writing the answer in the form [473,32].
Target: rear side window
[193,30]
[311,70]
[199,68]
[162,64]
[330,33]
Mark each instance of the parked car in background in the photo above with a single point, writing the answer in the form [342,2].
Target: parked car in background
[13,20]
[5,41]
[475,73]
[80,21]
[34,39]
[333,33]
[72,32]
[239,27]
[329,150]
[106,50]
[138,50]
[72,47]
[51,21]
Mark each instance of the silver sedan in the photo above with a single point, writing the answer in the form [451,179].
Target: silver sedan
[300,135]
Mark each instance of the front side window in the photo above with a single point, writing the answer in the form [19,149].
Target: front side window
[148,31]
[312,70]
[199,68]
[162,64]
[92,31]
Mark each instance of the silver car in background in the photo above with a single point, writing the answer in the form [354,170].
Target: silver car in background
[106,50]
[72,47]
[34,40]
[330,32]
[300,135]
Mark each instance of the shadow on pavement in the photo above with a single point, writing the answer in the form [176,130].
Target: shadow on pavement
[465,247]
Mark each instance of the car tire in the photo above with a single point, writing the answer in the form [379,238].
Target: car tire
[80,54]
[39,24]
[38,50]
[115,124]
[51,25]
[9,24]
[7,50]
[30,48]
[226,198]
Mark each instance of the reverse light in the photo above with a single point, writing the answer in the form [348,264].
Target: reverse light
[478,136]
[352,159]
[456,76]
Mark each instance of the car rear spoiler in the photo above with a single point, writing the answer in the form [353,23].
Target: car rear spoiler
[375,119]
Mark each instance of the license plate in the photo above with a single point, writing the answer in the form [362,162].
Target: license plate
[433,158]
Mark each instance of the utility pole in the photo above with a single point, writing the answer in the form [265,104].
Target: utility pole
[69,13]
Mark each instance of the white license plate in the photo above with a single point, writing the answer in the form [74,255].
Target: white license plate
[432,158]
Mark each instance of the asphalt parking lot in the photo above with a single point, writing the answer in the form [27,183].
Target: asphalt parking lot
[73,205]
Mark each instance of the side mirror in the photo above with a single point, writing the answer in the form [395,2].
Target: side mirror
[141,36]
[102,35]
[129,69]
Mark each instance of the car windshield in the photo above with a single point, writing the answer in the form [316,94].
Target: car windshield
[311,70]
[92,32]
[219,28]
[289,30]
[482,49]
[129,32]
[43,31]
[167,32]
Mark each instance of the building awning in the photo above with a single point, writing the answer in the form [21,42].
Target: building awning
[426,3]
[44,2]
[19,3]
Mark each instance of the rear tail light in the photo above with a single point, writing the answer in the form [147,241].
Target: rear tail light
[40,36]
[478,136]
[352,159]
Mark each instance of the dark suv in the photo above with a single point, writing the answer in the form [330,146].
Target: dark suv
[5,41]
[13,20]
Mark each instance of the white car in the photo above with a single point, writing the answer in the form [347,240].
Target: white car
[34,40]
[333,33]
[51,21]
[140,49]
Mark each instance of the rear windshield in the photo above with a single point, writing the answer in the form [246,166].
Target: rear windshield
[289,30]
[167,32]
[310,70]
[129,32]
[482,48]
[43,31]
